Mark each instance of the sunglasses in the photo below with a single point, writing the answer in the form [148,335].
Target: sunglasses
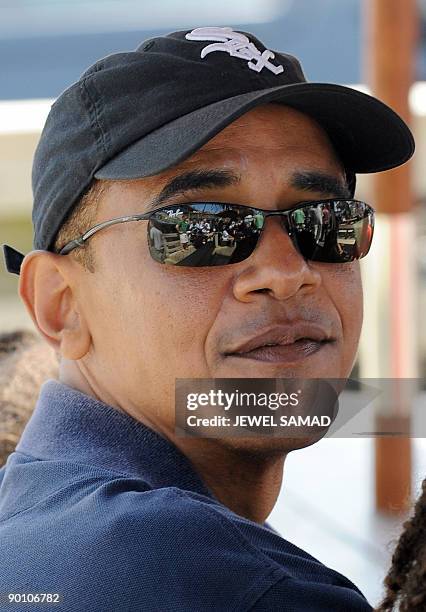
[198,234]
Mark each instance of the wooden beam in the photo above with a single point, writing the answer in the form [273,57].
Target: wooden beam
[390,43]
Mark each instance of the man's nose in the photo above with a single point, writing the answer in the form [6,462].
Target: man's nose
[275,267]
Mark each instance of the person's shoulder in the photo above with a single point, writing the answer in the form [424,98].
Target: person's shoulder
[167,523]
[176,547]
[171,515]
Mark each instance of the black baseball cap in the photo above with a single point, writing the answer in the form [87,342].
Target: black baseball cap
[135,114]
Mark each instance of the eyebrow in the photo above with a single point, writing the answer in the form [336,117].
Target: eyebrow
[190,181]
[326,184]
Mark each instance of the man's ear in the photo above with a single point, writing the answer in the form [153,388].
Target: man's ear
[46,290]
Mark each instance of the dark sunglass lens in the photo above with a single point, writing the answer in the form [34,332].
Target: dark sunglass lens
[333,232]
[203,234]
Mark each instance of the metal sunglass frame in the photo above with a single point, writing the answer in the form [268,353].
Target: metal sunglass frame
[80,240]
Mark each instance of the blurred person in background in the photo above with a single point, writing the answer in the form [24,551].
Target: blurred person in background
[405,582]
[26,362]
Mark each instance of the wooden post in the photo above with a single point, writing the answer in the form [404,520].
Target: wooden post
[390,40]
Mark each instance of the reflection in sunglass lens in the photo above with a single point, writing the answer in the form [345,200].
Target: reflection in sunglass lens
[334,231]
[217,234]
[204,234]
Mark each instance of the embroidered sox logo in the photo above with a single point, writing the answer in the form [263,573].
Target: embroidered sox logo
[237,45]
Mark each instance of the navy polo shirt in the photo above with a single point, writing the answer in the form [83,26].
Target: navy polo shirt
[100,509]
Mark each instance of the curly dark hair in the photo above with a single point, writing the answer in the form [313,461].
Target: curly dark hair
[26,361]
[406,580]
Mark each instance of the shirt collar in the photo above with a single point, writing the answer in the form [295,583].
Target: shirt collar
[68,425]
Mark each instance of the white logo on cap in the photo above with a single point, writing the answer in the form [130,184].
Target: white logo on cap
[237,45]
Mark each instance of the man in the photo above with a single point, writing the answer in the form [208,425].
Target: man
[258,221]
[299,217]
[182,228]
[103,503]
[157,242]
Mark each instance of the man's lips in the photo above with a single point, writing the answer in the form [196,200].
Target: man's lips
[283,343]
[288,352]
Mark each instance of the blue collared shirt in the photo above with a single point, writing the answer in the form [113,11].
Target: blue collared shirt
[105,512]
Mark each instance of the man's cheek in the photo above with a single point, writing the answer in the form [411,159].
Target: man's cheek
[174,341]
[346,285]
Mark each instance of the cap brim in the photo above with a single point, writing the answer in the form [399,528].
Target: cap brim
[368,135]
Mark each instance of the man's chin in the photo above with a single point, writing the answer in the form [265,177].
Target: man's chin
[269,446]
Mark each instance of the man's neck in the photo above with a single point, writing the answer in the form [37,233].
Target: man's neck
[246,482]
